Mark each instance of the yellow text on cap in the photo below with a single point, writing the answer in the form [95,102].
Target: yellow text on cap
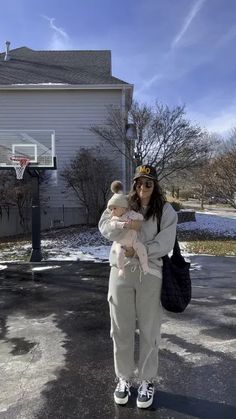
[144,169]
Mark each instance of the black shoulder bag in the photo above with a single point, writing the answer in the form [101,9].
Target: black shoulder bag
[176,283]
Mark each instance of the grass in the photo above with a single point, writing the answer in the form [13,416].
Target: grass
[204,242]
[14,250]
[198,242]
[209,247]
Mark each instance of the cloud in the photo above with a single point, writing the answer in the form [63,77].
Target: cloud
[168,69]
[148,83]
[60,39]
[188,20]
[54,27]
[222,122]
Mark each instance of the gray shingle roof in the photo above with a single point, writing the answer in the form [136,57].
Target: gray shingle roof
[27,66]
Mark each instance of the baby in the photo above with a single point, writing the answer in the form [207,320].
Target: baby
[121,216]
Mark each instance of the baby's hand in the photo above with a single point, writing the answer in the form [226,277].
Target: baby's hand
[129,252]
[133,225]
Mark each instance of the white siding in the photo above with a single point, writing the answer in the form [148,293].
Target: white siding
[50,218]
[69,113]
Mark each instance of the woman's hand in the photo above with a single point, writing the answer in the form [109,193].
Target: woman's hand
[133,225]
[129,252]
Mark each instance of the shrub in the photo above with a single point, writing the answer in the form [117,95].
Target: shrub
[89,175]
[176,205]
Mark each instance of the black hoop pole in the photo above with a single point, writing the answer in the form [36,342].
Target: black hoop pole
[36,255]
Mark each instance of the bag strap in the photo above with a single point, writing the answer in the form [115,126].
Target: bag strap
[176,248]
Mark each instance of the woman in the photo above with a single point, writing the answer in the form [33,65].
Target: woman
[137,296]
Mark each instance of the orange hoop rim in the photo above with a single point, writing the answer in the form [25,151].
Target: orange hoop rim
[23,160]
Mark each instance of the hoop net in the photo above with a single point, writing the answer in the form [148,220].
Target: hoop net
[20,163]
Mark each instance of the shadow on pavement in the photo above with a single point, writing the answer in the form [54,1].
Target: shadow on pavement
[74,294]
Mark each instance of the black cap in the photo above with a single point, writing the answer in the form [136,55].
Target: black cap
[145,171]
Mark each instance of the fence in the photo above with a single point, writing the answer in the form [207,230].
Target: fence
[50,218]
[56,217]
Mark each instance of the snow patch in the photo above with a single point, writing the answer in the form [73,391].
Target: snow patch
[218,224]
[87,244]
[44,268]
[86,279]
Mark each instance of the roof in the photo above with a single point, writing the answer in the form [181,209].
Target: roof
[27,66]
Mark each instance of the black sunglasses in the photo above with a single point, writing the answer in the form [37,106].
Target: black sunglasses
[147,183]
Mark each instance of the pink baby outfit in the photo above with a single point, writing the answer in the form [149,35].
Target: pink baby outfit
[130,239]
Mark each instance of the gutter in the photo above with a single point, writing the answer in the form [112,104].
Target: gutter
[59,86]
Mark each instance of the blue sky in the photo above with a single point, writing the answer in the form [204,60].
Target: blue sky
[173,51]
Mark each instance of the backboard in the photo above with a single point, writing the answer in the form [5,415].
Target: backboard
[37,145]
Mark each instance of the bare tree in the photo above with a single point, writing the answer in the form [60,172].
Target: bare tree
[6,184]
[89,175]
[15,193]
[215,176]
[165,138]
[223,177]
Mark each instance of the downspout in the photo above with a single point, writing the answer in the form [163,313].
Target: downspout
[123,162]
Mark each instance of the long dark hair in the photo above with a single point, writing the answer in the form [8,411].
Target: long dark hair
[156,203]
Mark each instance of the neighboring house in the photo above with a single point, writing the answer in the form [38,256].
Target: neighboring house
[65,91]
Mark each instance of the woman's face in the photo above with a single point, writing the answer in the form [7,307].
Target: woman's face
[144,188]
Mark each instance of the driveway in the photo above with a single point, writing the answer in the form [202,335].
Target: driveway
[56,353]
[225,211]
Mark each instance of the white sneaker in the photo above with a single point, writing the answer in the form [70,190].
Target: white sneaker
[145,394]
[122,392]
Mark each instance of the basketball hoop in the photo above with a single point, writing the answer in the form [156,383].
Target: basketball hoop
[19,163]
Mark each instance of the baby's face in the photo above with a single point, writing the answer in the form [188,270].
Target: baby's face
[117,211]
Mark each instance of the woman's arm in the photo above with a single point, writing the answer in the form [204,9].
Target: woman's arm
[109,228]
[164,241]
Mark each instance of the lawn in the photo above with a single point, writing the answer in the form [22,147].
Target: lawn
[212,247]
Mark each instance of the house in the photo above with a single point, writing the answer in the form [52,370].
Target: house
[64,91]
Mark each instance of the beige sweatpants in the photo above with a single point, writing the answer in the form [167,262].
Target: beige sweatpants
[135,297]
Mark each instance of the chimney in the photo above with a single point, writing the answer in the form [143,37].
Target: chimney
[7,56]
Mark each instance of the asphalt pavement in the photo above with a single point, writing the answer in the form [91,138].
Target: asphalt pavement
[56,357]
